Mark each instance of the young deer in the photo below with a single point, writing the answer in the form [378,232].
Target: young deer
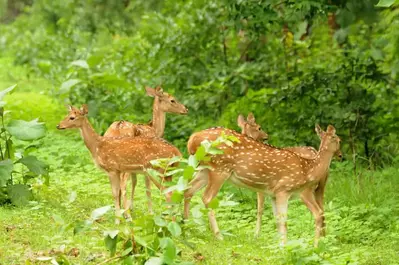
[252,129]
[264,169]
[163,103]
[117,156]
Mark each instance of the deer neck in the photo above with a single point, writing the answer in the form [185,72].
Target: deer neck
[90,137]
[321,164]
[158,118]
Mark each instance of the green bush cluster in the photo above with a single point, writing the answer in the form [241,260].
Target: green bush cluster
[293,64]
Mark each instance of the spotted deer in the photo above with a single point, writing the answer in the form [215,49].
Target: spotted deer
[163,103]
[118,157]
[264,169]
[251,129]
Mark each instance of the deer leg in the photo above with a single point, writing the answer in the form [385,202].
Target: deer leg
[123,183]
[148,192]
[319,192]
[215,182]
[281,215]
[308,197]
[199,181]
[261,204]
[115,186]
[134,183]
[274,207]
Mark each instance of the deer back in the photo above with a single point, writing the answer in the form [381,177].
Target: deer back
[307,152]
[132,154]
[128,129]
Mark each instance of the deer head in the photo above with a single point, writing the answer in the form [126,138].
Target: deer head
[251,128]
[167,103]
[75,117]
[331,137]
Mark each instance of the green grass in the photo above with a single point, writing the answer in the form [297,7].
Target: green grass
[362,212]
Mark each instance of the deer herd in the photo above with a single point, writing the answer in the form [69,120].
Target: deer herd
[127,149]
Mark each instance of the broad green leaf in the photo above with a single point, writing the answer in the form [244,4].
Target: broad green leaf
[174,229]
[214,203]
[111,233]
[215,151]
[81,226]
[26,130]
[154,261]
[67,85]
[19,194]
[34,165]
[177,197]
[110,244]
[188,172]
[128,260]
[200,153]
[385,3]
[58,219]
[80,63]
[192,161]
[3,93]
[159,221]
[173,172]
[169,253]
[99,212]
[6,167]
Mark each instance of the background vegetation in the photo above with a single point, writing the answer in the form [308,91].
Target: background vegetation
[292,63]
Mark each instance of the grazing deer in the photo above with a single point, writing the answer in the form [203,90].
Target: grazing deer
[118,157]
[264,169]
[252,129]
[163,103]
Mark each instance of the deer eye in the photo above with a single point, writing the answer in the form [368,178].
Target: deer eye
[173,101]
[71,118]
[259,129]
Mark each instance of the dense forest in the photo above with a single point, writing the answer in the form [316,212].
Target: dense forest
[293,64]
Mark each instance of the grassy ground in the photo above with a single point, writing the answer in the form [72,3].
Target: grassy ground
[362,212]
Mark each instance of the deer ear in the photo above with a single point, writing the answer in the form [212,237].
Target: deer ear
[159,90]
[69,107]
[84,110]
[319,130]
[331,129]
[150,91]
[241,121]
[251,117]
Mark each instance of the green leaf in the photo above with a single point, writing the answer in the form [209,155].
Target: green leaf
[169,248]
[26,130]
[159,221]
[188,172]
[10,150]
[81,226]
[111,233]
[385,3]
[128,260]
[80,63]
[19,194]
[34,165]
[173,172]
[200,153]
[177,197]
[110,244]
[174,229]
[67,85]
[214,203]
[215,151]
[4,92]
[58,219]
[154,261]
[99,212]
[6,167]
[192,161]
